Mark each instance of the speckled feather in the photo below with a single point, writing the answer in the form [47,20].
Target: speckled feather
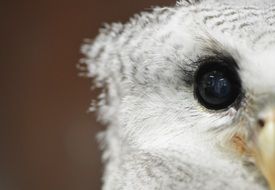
[158,136]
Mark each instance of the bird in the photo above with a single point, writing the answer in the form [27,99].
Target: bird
[187,97]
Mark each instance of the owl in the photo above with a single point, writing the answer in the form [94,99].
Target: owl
[188,97]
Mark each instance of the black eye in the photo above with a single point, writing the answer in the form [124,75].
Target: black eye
[217,85]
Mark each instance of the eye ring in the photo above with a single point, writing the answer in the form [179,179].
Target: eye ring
[217,84]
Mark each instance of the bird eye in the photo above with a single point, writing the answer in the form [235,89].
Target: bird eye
[217,85]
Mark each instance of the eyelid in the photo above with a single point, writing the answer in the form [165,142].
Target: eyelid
[190,69]
[220,59]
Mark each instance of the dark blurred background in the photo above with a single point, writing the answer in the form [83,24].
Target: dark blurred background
[47,137]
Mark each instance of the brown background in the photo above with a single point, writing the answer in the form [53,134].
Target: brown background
[46,135]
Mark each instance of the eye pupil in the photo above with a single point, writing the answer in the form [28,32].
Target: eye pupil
[217,86]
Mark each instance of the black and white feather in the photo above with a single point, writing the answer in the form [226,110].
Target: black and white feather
[158,135]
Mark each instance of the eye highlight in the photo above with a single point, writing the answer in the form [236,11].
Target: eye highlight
[217,84]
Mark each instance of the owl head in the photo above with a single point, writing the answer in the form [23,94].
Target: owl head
[188,96]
